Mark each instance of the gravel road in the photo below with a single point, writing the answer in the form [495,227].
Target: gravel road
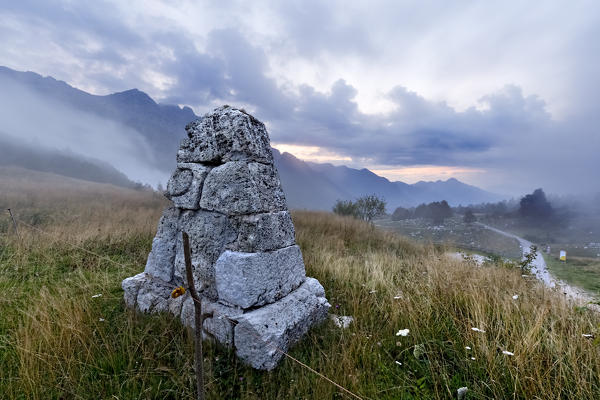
[540,270]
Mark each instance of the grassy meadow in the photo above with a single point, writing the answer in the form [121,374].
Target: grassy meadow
[583,272]
[58,341]
[455,233]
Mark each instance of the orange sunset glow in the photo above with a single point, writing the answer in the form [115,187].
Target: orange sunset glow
[408,173]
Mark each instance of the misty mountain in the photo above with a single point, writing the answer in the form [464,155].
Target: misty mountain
[149,135]
[454,192]
[161,125]
[318,186]
[305,187]
[33,157]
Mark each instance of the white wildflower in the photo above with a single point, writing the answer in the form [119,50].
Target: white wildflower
[461,392]
[341,321]
[101,319]
[478,330]
[508,353]
[402,332]
[373,291]
[473,358]
[97,295]
[515,297]
[467,347]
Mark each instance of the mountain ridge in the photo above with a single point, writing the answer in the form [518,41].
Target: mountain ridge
[161,124]
[347,183]
[307,185]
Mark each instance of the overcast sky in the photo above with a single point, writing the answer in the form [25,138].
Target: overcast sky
[504,95]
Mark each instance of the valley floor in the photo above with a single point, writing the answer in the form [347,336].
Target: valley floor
[578,278]
[455,233]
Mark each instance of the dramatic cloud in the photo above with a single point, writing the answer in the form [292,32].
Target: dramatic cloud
[508,90]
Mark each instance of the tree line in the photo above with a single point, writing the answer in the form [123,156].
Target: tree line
[437,211]
[532,208]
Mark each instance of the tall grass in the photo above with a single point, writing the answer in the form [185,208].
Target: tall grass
[53,343]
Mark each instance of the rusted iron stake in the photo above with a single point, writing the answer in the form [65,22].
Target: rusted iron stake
[198,317]
[14,222]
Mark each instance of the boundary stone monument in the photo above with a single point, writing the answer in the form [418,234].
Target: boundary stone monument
[227,196]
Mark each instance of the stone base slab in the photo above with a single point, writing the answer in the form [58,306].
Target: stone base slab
[261,335]
[255,334]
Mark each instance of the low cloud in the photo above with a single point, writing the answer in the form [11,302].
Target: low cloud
[31,119]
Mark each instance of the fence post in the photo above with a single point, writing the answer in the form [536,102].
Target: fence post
[14,223]
[198,317]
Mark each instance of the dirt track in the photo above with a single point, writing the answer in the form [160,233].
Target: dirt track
[540,270]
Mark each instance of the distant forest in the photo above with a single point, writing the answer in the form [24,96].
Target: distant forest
[531,209]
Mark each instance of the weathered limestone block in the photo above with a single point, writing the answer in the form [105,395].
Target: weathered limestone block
[254,279]
[209,233]
[154,296]
[225,134]
[263,232]
[146,293]
[131,287]
[238,188]
[161,259]
[179,182]
[185,185]
[260,332]
[219,326]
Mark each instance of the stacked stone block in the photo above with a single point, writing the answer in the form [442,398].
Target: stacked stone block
[227,196]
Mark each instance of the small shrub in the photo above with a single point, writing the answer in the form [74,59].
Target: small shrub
[366,208]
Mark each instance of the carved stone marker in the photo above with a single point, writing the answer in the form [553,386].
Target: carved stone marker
[227,196]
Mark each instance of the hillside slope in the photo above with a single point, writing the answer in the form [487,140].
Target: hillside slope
[34,157]
[162,125]
[61,339]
